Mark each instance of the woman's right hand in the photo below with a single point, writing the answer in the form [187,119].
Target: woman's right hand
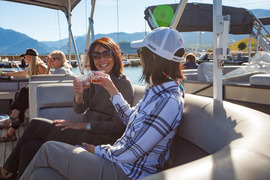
[77,86]
[78,89]
[48,62]
[107,83]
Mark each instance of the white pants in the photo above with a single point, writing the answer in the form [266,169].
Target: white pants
[57,160]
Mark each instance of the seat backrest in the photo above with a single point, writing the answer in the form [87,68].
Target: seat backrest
[221,137]
[138,94]
[55,101]
[205,72]
[34,81]
[260,79]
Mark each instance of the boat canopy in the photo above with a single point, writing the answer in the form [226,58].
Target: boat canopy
[62,5]
[199,17]
[265,20]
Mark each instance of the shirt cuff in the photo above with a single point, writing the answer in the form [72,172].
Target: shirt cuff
[116,98]
[97,150]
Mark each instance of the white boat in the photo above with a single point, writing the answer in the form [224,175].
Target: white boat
[216,139]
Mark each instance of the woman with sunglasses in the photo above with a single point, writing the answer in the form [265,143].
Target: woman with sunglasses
[151,124]
[58,61]
[101,123]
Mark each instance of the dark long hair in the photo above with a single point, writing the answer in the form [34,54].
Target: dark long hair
[108,43]
[154,66]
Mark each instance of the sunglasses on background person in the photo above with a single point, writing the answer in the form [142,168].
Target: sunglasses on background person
[106,54]
[54,59]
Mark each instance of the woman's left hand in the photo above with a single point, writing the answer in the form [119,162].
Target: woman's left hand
[89,147]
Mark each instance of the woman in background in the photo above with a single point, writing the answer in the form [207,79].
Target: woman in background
[36,67]
[58,61]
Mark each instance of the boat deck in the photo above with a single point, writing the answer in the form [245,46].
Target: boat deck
[7,147]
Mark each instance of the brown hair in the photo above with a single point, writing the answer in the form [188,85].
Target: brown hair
[156,65]
[108,43]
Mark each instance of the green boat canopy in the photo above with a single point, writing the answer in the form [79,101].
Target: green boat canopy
[199,17]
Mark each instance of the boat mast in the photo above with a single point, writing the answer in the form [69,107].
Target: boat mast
[220,44]
[90,27]
[71,37]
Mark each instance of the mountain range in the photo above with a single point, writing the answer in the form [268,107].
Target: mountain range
[14,43]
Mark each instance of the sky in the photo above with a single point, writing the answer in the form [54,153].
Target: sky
[45,24]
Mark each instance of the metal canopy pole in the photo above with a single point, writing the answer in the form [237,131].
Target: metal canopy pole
[91,27]
[220,44]
[71,37]
[179,11]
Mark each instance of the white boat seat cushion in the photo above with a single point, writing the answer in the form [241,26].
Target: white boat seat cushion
[205,72]
[260,79]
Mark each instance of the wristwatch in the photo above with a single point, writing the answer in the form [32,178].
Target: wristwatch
[88,127]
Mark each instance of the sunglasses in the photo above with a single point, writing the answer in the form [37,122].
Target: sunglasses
[106,54]
[54,59]
[139,52]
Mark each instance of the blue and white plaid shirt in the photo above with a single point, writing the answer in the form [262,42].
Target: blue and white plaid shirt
[151,125]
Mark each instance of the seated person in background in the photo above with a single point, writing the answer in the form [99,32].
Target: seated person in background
[151,124]
[101,123]
[190,62]
[58,61]
[36,67]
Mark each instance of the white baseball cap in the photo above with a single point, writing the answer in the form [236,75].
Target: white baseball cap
[163,41]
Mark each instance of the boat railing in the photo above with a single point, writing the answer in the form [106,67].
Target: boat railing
[258,28]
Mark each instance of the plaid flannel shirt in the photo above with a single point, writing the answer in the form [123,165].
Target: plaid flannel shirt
[151,125]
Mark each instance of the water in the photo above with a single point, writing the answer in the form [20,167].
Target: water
[133,73]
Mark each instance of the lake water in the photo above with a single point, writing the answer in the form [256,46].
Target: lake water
[133,73]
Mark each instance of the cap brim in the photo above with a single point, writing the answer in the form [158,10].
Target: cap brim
[22,55]
[137,44]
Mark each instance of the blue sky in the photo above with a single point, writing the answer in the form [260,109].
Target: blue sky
[42,24]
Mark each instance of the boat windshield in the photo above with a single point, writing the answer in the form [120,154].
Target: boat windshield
[259,64]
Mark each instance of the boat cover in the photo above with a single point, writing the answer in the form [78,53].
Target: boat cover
[198,17]
[51,4]
[265,20]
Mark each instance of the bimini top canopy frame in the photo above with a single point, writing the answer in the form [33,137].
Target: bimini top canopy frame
[199,17]
[62,5]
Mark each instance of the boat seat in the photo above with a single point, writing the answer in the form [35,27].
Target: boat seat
[260,79]
[205,72]
[240,78]
[55,101]
[36,80]
[218,140]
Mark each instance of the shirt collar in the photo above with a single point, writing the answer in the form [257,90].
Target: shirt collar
[162,87]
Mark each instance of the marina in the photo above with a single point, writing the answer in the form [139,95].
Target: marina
[227,108]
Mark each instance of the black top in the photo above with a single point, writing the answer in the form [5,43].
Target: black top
[99,110]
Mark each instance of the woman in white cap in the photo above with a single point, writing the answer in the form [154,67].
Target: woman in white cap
[144,147]
[35,66]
